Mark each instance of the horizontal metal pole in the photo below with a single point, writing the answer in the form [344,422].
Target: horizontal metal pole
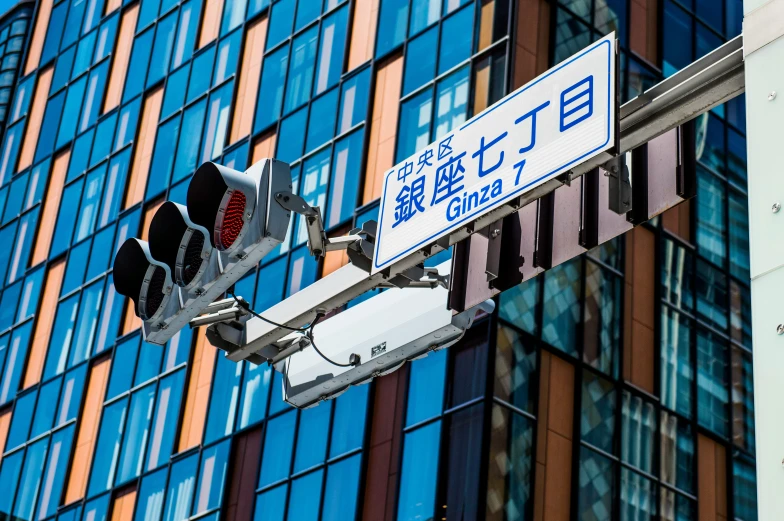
[713,79]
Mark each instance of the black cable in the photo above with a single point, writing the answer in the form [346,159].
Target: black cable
[308,330]
[244,304]
[309,334]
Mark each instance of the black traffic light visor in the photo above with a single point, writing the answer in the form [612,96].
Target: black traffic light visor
[178,242]
[139,277]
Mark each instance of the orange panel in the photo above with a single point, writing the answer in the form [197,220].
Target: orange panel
[149,212]
[51,207]
[88,431]
[5,422]
[131,322]
[35,118]
[111,5]
[486,25]
[124,502]
[363,33]
[43,327]
[248,86]
[383,128]
[333,260]
[264,147]
[482,86]
[121,57]
[198,393]
[39,35]
[210,25]
[144,146]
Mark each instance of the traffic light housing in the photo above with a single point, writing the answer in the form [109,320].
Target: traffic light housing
[197,252]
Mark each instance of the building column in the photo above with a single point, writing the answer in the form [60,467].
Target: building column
[763,28]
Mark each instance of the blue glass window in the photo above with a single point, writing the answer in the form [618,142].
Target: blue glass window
[13,139]
[217,122]
[91,197]
[281,20]
[212,475]
[278,446]
[30,294]
[677,38]
[597,486]
[323,113]
[414,131]
[62,333]
[562,306]
[417,496]
[305,497]
[103,147]
[270,98]
[451,102]
[303,271]
[94,97]
[190,138]
[228,53]
[149,364]
[17,354]
[46,408]
[313,187]
[54,476]
[306,13]
[9,477]
[354,101]
[225,393]
[161,51]
[598,412]
[303,61]
[292,137]
[346,168]
[87,323]
[421,65]
[136,434]
[54,32]
[74,23]
[340,496]
[426,388]
[8,305]
[312,438]
[110,318]
[123,366]
[199,83]
[24,240]
[126,130]
[392,25]
[186,32]
[106,34]
[272,279]
[163,157]
[712,383]
[348,421]
[255,390]
[233,15]
[676,369]
[455,50]
[71,395]
[15,198]
[66,220]
[271,505]
[19,432]
[54,108]
[711,229]
[677,452]
[140,58]
[331,49]
[84,55]
[176,87]
[181,487]
[30,480]
[149,505]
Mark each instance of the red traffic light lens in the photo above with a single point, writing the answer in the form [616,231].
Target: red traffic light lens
[230,226]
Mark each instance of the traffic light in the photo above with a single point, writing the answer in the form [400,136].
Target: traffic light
[197,252]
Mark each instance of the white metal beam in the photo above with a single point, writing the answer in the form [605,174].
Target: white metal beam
[764,25]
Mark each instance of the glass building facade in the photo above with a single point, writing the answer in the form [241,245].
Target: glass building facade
[616,386]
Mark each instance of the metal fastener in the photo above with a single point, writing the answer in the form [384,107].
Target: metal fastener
[780,329]
[776,207]
[772,95]
[495,233]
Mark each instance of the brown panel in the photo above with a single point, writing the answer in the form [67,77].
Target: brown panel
[120,57]
[5,423]
[481,86]
[711,480]
[644,277]
[43,326]
[35,118]
[383,128]
[210,24]
[627,326]
[39,35]
[244,474]
[88,431]
[486,18]
[386,426]
[643,355]
[561,405]
[531,46]
[644,19]
[198,393]
[50,208]
[363,32]
[142,155]
[247,89]
[111,5]
[558,478]
[264,147]
[124,502]
[544,400]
